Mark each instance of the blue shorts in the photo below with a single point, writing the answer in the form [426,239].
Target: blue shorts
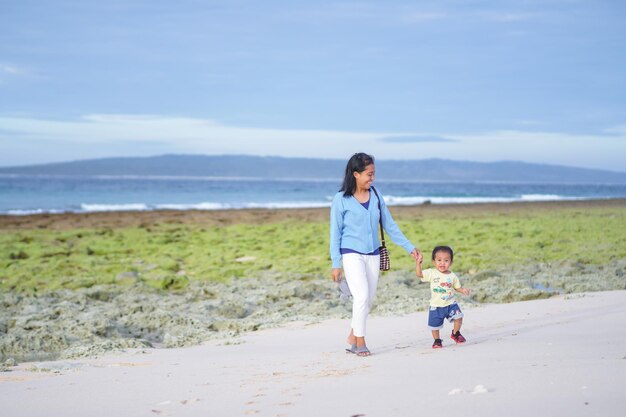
[436,315]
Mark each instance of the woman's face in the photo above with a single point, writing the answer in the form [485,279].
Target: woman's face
[365,179]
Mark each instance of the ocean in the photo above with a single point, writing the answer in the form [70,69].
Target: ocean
[31,194]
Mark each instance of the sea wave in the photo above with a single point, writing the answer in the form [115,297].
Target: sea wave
[546,197]
[27,212]
[409,201]
[391,200]
[235,206]
[203,206]
[114,207]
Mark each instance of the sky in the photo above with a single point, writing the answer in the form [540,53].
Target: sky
[533,81]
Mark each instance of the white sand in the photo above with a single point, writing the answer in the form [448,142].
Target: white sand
[565,356]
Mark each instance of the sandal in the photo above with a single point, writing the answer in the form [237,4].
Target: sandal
[352,349]
[362,351]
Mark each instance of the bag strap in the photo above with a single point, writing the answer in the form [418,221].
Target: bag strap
[380,219]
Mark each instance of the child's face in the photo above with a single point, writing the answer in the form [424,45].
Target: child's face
[442,261]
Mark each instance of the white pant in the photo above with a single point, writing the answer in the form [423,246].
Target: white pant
[362,275]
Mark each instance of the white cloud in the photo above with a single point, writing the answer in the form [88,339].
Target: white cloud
[617,130]
[508,16]
[192,135]
[9,72]
[591,151]
[485,15]
[10,69]
[417,17]
[140,133]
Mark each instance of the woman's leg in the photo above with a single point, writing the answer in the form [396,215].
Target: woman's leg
[351,337]
[372,272]
[354,267]
[362,275]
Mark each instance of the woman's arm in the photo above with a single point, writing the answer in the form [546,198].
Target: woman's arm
[394,231]
[336,226]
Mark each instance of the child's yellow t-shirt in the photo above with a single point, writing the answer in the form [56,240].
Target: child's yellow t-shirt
[441,286]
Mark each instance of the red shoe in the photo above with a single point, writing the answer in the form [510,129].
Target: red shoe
[457,337]
[437,344]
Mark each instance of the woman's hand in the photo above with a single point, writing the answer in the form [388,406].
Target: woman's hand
[415,253]
[336,274]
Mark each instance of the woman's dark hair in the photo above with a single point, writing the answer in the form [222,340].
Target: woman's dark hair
[447,249]
[357,163]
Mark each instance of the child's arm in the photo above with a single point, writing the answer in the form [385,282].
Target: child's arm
[418,265]
[464,291]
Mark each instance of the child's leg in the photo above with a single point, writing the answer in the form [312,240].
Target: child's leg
[457,324]
[435,321]
[456,334]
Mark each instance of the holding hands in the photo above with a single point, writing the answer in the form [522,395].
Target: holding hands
[419,258]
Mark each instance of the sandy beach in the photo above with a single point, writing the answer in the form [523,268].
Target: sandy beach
[268,340]
[559,356]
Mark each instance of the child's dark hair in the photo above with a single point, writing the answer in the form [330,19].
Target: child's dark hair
[447,249]
[357,163]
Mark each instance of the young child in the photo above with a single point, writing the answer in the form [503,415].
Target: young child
[443,283]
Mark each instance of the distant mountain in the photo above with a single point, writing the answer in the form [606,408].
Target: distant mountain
[278,167]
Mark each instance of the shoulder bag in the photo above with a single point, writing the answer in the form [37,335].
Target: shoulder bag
[384,253]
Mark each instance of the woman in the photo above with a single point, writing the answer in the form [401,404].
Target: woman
[354,239]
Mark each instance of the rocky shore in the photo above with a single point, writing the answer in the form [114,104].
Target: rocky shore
[89,322]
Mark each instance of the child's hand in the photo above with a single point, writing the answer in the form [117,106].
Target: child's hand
[465,291]
[418,265]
